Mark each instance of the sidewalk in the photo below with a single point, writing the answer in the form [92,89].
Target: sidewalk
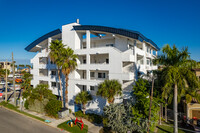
[55,122]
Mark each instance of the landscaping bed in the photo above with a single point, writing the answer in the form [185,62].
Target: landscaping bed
[75,129]
[94,118]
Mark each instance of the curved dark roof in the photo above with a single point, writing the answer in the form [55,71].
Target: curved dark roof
[123,32]
[42,38]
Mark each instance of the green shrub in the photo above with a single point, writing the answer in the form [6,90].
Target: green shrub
[105,130]
[26,104]
[94,118]
[70,111]
[52,107]
[79,114]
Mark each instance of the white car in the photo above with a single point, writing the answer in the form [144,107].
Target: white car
[17,87]
[2,82]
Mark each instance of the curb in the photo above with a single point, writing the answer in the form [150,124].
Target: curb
[34,119]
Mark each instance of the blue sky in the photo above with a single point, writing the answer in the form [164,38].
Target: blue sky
[163,21]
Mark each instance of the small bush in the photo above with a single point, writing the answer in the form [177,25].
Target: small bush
[79,114]
[26,104]
[70,111]
[94,118]
[52,108]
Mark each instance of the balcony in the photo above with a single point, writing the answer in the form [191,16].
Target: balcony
[43,72]
[139,51]
[128,76]
[80,74]
[128,58]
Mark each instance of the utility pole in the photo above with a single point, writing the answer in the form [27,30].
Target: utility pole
[151,98]
[13,67]
[6,95]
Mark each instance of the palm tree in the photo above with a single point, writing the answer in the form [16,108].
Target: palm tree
[109,89]
[26,81]
[176,74]
[3,73]
[83,98]
[56,56]
[69,65]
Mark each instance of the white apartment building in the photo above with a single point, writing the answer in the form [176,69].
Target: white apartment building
[103,53]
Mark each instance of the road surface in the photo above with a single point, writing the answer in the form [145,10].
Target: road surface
[11,122]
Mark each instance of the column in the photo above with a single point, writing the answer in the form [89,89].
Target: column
[135,52]
[87,39]
[88,63]
[49,42]
[88,74]
[144,58]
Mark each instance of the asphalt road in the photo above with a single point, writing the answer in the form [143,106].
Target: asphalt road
[11,122]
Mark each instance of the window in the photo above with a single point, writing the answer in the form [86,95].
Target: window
[147,49]
[53,84]
[53,73]
[92,74]
[84,87]
[107,61]
[109,45]
[101,75]
[92,88]
[51,62]
[84,61]
[148,62]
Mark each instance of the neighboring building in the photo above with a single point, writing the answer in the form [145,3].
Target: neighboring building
[3,65]
[197,72]
[193,109]
[103,53]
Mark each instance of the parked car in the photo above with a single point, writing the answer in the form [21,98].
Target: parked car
[17,87]
[2,82]
[18,80]
[4,89]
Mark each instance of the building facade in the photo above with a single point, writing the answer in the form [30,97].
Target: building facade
[103,53]
[3,65]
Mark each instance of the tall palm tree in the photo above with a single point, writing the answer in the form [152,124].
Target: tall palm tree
[69,65]
[56,56]
[26,81]
[83,98]
[109,89]
[176,74]
[3,73]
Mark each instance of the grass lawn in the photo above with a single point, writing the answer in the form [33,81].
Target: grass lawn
[12,107]
[168,129]
[75,129]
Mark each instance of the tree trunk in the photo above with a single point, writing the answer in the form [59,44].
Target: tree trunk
[83,109]
[161,110]
[151,98]
[61,92]
[66,89]
[165,109]
[175,110]
[160,114]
